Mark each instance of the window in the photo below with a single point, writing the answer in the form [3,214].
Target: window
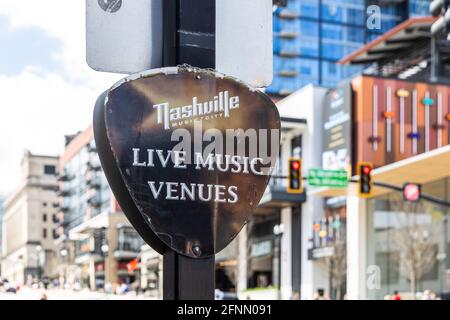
[44,233]
[49,169]
[44,217]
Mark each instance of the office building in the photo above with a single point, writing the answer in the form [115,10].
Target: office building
[28,250]
[310,36]
[95,240]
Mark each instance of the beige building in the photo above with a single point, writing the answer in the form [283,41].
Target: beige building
[28,228]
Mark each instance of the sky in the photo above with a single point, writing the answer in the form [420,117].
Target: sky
[46,88]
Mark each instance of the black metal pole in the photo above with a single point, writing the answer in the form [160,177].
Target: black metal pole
[189,38]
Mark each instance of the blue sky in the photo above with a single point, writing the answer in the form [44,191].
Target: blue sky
[24,47]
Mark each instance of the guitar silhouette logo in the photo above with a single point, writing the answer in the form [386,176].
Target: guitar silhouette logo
[110,6]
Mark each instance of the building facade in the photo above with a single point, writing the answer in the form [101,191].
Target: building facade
[334,241]
[28,229]
[96,242]
[310,36]
[272,247]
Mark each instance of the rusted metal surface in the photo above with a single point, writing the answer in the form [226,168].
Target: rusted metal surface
[193,209]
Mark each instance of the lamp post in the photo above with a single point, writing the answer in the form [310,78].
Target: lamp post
[278,232]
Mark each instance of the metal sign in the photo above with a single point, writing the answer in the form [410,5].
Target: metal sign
[244,40]
[337,128]
[328,178]
[192,152]
[232,36]
[124,36]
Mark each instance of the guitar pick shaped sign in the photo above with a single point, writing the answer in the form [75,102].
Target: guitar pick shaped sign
[188,154]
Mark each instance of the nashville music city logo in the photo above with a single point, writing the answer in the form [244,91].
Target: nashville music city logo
[219,107]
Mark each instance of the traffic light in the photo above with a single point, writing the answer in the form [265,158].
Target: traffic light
[295,184]
[412,192]
[365,179]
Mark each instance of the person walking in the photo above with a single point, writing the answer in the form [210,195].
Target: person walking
[396,296]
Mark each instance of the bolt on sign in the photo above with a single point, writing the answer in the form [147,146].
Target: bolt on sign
[188,154]
[328,178]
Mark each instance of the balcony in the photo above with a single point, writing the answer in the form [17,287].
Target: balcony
[276,196]
[288,14]
[91,149]
[288,54]
[93,183]
[286,34]
[94,202]
[129,243]
[64,193]
[64,209]
[288,73]
[93,167]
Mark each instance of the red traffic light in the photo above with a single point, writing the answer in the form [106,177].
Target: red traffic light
[366,170]
[411,192]
[295,165]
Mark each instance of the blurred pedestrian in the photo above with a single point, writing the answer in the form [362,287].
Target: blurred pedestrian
[428,295]
[320,295]
[295,296]
[396,296]
[44,297]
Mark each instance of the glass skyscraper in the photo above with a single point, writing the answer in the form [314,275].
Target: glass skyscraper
[310,36]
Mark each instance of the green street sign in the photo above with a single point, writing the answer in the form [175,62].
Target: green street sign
[328,178]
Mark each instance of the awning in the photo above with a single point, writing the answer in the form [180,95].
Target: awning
[402,37]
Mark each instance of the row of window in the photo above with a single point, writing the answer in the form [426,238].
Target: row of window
[340,11]
[45,233]
[54,218]
[293,73]
[308,32]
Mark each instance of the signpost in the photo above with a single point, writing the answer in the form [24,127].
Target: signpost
[163,135]
[328,178]
[188,154]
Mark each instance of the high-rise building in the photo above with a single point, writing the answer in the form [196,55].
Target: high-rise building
[310,36]
[95,240]
[28,250]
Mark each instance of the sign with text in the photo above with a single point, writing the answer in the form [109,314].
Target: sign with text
[337,128]
[195,150]
[328,178]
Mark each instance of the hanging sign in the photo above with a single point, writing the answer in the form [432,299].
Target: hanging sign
[192,153]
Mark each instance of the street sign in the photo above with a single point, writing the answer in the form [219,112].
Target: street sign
[232,36]
[124,36]
[188,154]
[328,178]
[244,40]
[411,192]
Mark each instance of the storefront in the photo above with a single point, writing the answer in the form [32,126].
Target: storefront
[401,128]
[408,243]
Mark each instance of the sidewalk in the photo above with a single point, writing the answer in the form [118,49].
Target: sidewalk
[59,294]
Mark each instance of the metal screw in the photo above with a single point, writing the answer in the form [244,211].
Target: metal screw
[196,251]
